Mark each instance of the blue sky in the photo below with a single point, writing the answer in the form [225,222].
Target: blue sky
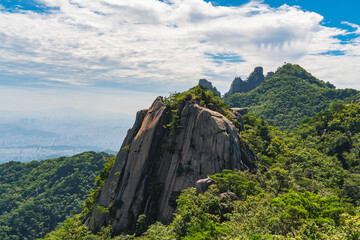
[334,11]
[118,55]
[18,5]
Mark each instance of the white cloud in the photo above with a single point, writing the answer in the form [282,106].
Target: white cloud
[357,27]
[148,41]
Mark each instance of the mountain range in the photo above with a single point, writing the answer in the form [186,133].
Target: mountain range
[276,158]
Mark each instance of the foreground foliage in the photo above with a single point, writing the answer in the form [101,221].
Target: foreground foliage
[306,187]
[36,196]
[289,96]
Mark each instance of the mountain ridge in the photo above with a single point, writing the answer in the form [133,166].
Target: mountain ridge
[289,96]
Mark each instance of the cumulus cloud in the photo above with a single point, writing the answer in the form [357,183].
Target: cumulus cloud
[167,43]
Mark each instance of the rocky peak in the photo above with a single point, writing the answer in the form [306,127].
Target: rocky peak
[209,86]
[257,76]
[253,81]
[169,148]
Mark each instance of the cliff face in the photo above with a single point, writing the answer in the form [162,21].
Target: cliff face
[253,81]
[156,162]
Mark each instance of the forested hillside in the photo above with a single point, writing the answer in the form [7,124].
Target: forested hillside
[289,96]
[307,186]
[36,196]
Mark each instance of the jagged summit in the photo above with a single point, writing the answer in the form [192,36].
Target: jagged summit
[174,143]
[209,86]
[253,81]
[285,71]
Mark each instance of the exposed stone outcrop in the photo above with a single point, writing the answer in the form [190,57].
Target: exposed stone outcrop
[203,184]
[155,163]
[209,86]
[253,81]
[228,196]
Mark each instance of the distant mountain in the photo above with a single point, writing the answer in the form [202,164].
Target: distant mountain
[22,132]
[27,139]
[289,96]
[36,196]
[253,81]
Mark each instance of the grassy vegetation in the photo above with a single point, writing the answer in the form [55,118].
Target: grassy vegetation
[199,95]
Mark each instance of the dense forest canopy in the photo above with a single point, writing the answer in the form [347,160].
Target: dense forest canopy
[36,196]
[289,96]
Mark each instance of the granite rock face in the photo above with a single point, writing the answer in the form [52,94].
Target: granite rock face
[253,81]
[209,86]
[155,163]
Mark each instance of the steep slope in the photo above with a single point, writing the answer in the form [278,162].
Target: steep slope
[172,144]
[289,96]
[36,196]
[336,132]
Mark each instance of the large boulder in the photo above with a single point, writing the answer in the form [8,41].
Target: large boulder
[156,162]
[203,184]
